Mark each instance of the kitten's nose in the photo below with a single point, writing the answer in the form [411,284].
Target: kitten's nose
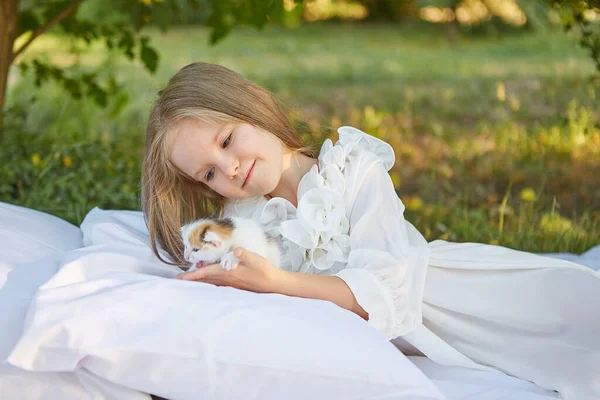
[186,253]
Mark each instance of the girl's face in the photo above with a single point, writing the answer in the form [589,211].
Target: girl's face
[234,160]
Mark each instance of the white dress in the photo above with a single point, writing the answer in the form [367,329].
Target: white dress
[465,304]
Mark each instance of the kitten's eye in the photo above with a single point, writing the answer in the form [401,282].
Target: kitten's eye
[227,141]
[195,249]
[210,174]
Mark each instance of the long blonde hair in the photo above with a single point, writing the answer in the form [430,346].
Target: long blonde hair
[211,93]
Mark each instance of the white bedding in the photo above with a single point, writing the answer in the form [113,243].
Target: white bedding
[458,383]
[31,244]
[42,244]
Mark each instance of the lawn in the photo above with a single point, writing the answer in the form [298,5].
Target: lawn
[497,139]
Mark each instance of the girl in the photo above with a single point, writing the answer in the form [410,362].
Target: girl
[218,142]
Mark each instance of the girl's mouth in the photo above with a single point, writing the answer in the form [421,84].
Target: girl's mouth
[249,174]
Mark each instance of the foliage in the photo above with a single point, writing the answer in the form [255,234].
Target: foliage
[573,13]
[120,26]
[496,141]
[67,177]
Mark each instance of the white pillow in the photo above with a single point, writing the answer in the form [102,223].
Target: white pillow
[79,385]
[31,244]
[115,311]
[115,226]
[27,234]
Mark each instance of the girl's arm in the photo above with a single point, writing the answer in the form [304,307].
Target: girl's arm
[257,274]
[330,288]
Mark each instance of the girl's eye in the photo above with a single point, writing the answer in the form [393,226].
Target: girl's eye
[227,141]
[225,144]
[210,174]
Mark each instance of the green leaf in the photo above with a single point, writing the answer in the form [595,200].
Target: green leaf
[54,8]
[148,55]
[100,96]
[119,104]
[255,12]
[28,22]
[127,43]
[218,33]
[161,19]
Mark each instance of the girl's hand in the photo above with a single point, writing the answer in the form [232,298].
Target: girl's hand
[257,274]
[254,273]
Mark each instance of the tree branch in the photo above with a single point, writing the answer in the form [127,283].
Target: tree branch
[56,20]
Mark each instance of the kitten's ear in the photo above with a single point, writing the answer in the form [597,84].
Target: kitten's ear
[212,238]
[185,228]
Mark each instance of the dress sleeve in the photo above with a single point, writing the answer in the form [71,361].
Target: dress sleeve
[388,257]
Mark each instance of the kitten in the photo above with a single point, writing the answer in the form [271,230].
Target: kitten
[211,240]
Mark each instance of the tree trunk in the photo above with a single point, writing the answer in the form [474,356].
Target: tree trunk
[8,31]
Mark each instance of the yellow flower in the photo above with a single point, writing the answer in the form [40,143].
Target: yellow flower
[413,203]
[67,161]
[449,94]
[555,223]
[528,194]
[36,159]
[146,2]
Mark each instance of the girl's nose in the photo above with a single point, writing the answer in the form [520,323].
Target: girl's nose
[231,168]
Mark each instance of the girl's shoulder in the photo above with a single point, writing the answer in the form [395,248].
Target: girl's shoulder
[354,144]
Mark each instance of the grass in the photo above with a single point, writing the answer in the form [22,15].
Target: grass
[478,124]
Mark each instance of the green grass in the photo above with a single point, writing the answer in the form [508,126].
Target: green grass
[464,150]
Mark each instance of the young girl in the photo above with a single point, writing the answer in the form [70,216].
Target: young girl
[218,142]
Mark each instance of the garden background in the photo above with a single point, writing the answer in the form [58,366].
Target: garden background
[492,106]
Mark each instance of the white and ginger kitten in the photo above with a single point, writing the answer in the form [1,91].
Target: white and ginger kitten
[211,240]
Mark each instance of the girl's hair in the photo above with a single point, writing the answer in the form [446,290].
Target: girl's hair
[210,93]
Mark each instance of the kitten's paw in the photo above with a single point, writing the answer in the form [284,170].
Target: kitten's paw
[229,261]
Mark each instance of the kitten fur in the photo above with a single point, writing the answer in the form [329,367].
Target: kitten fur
[211,240]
